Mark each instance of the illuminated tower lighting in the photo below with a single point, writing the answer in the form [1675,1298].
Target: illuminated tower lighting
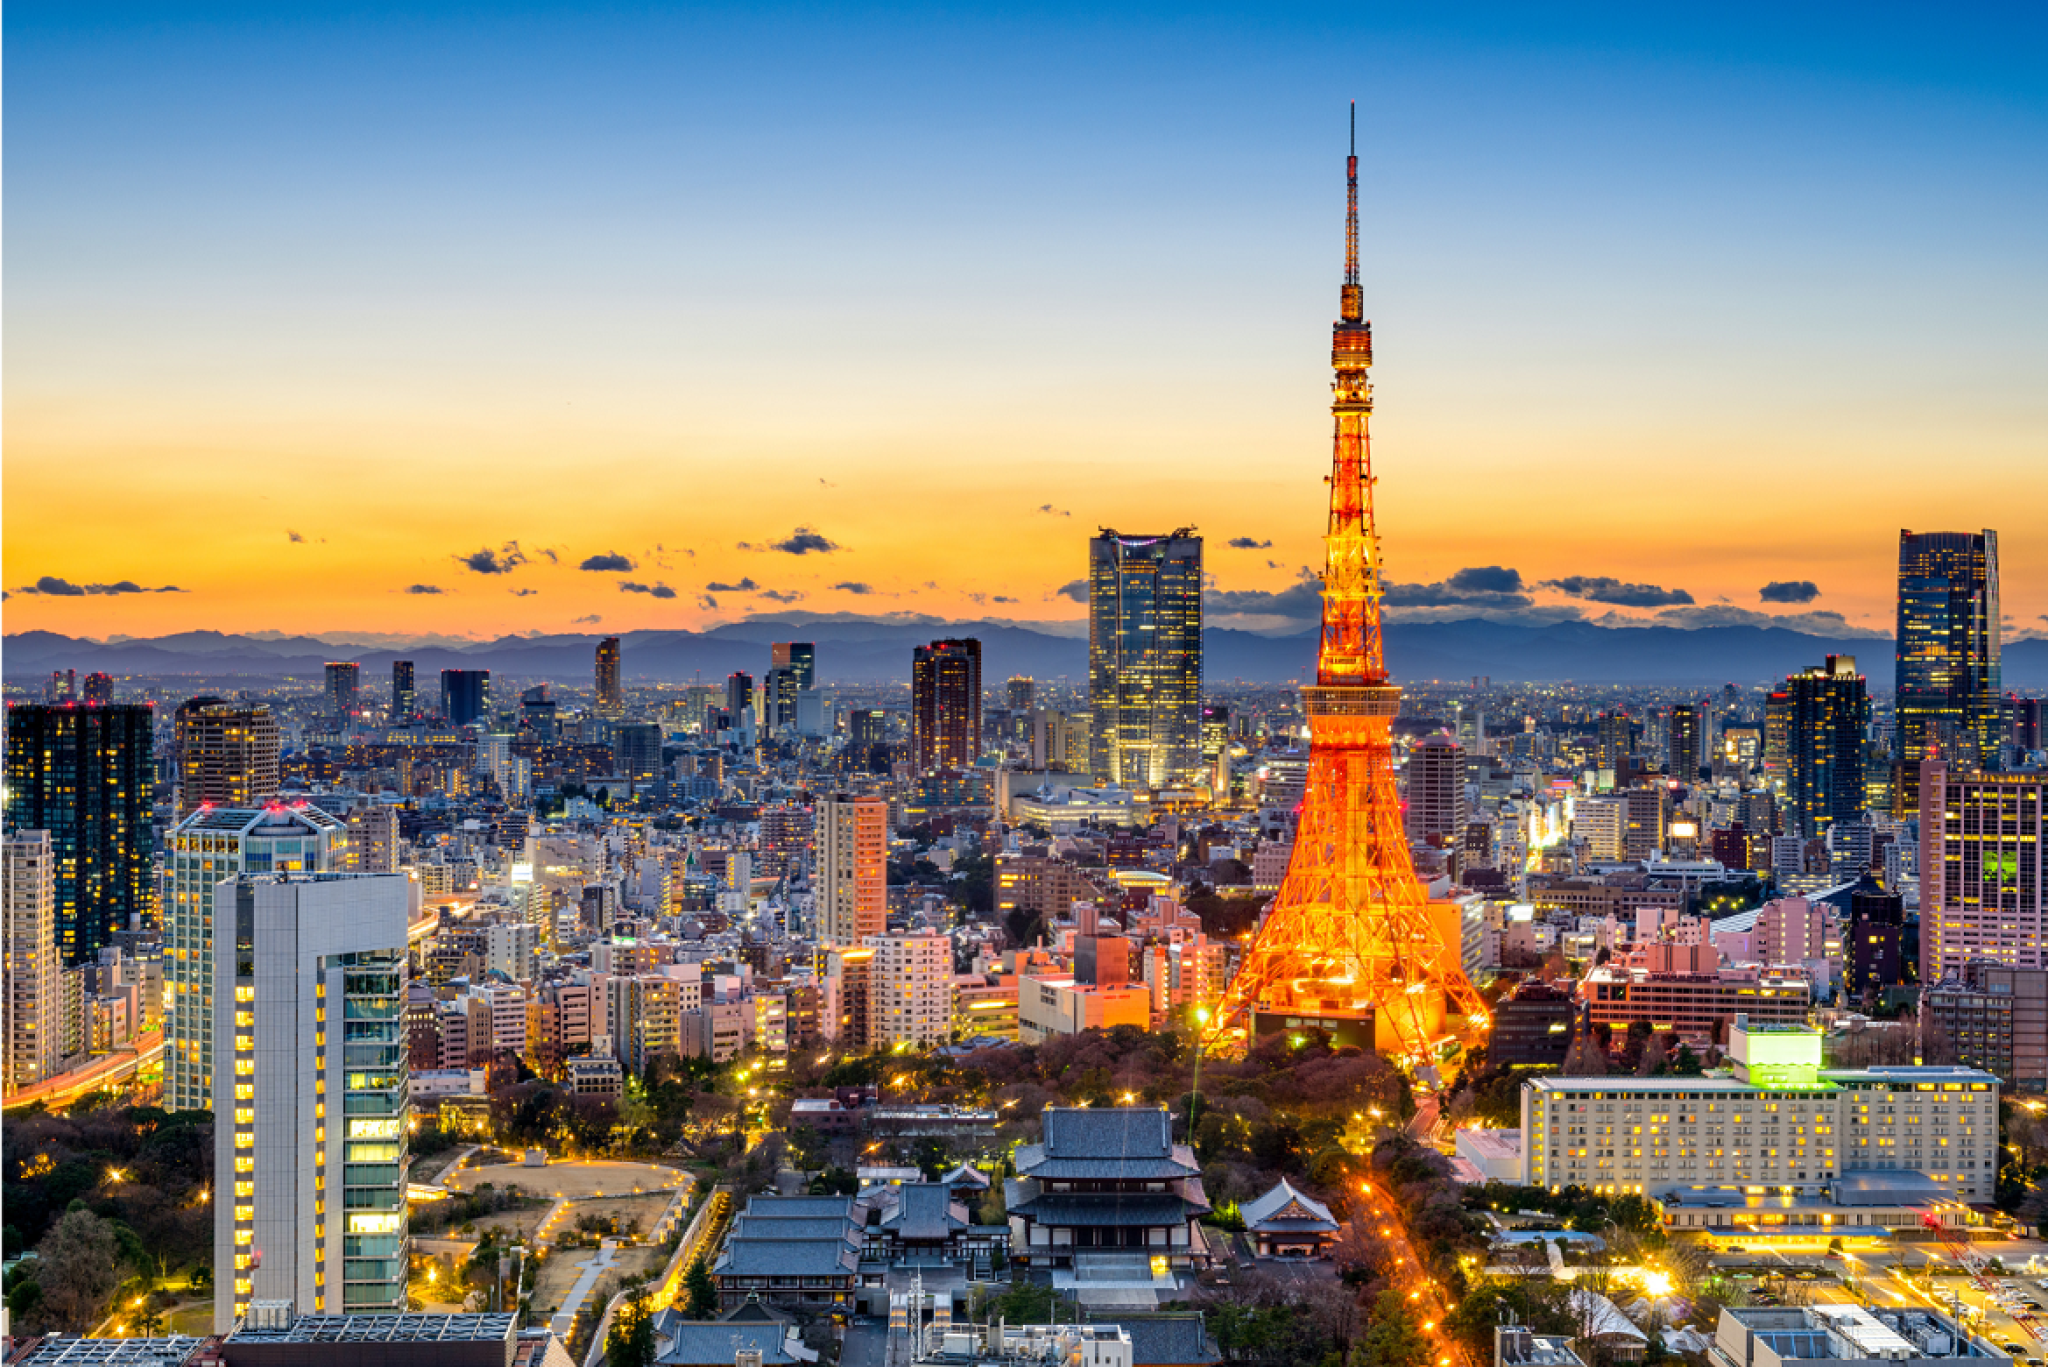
[1351,937]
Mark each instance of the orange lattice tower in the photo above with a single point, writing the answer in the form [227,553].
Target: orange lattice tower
[1352,937]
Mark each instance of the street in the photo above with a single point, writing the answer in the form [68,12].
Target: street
[1410,1279]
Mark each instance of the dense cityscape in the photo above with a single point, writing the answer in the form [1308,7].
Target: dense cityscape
[426,1013]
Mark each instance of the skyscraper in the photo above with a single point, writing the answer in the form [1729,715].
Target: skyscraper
[777,712]
[1436,791]
[945,704]
[308,1021]
[99,687]
[83,774]
[1948,649]
[199,852]
[344,688]
[1983,868]
[1145,657]
[228,754]
[1684,743]
[852,898]
[801,656]
[33,998]
[1022,693]
[637,746]
[465,695]
[611,697]
[739,695]
[1613,742]
[404,696]
[1827,710]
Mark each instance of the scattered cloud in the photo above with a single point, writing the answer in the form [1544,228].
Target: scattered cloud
[1246,543]
[487,561]
[1789,591]
[426,588]
[609,561]
[744,586]
[52,586]
[654,590]
[294,537]
[1479,586]
[705,600]
[1605,589]
[553,559]
[805,541]
[1048,509]
[1822,623]
[826,482]
[1301,601]
[1001,598]
[523,593]
[590,620]
[782,595]
[1272,564]
[977,598]
[1076,589]
[854,586]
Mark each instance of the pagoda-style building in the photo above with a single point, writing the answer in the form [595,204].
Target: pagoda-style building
[1108,1187]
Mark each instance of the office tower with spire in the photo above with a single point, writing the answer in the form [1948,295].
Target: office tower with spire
[34,996]
[1351,943]
[945,704]
[1145,658]
[313,1102]
[212,844]
[1948,681]
[228,754]
[611,695]
[1827,711]
[83,774]
[404,694]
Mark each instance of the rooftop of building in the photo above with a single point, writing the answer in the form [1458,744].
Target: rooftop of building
[68,1350]
[1847,1333]
[382,1329]
[1275,1205]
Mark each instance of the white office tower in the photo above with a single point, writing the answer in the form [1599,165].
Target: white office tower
[311,1100]
[211,844]
[34,989]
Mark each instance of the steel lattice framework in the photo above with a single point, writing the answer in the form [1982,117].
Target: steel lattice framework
[1351,932]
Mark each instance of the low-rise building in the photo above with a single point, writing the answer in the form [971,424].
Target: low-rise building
[1288,1223]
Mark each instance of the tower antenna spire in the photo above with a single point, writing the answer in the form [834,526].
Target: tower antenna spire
[1351,219]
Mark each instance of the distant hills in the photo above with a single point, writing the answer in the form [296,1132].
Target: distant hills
[865,651]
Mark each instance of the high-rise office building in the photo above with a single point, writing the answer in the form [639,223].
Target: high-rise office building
[2027,731]
[1648,805]
[1948,649]
[637,748]
[852,893]
[228,754]
[465,695]
[83,774]
[801,656]
[611,696]
[1021,693]
[1613,742]
[199,852]
[62,687]
[1983,868]
[311,1113]
[777,712]
[1826,711]
[99,687]
[34,997]
[1215,732]
[404,693]
[1436,791]
[1145,658]
[344,688]
[1684,743]
[1877,925]
[945,704]
[739,694]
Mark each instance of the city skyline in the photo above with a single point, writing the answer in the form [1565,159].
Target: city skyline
[1668,261]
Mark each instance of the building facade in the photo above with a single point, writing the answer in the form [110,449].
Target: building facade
[1145,658]
[34,996]
[610,700]
[1982,869]
[1436,791]
[1948,658]
[200,852]
[911,1000]
[945,704]
[310,1118]
[1827,712]
[83,774]
[227,754]
[851,885]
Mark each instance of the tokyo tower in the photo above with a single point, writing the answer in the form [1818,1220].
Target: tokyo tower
[1352,943]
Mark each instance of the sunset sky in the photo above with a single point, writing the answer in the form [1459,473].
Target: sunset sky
[396,318]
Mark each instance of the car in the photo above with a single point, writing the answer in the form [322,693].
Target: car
[2034,1362]
[2015,1349]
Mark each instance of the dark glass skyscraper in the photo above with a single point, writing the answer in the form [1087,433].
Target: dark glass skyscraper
[83,774]
[403,698]
[1948,649]
[465,695]
[1827,710]
[1684,742]
[1145,658]
[945,704]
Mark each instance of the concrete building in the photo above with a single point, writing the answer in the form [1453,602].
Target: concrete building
[1983,869]
[1696,1002]
[1777,1127]
[851,884]
[227,754]
[1435,782]
[311,1111]
[34,995]
[1058,1005]
[200,852]
[1991,1017]
[911,999]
